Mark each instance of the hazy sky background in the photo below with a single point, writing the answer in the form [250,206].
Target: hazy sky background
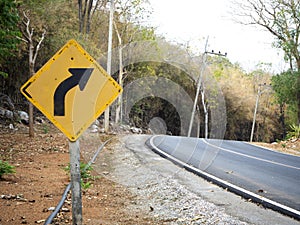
[194,20]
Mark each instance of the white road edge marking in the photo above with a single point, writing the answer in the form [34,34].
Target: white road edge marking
[223,182]
[252,157]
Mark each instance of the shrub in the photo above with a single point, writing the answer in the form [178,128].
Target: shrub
[6,168]
[294,132]
[85,172]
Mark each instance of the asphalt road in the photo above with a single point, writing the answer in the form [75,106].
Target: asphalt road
[265,173]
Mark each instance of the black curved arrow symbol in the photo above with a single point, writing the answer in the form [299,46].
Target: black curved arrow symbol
[80,76]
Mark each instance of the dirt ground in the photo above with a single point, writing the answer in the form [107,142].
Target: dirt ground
[40,179]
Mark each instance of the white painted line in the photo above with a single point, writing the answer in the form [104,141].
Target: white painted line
[277,206]
[252,157]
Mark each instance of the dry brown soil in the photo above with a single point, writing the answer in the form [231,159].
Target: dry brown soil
[40,180]
[291,146]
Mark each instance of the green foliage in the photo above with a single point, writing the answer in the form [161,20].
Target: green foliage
[85,172]
[286,89]
[219,66]
[46,129]
[6,168]
[3,74]
[294,132]
[9,30]
[85,185]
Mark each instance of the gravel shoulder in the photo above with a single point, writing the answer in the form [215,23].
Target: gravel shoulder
[174,195]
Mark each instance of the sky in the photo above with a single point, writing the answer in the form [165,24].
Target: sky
[194,20]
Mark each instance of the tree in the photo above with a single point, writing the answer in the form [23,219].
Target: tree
[28,37]
[128,12]
[9,30]
[120,78]
[285,87]
[86,11]
[282,19]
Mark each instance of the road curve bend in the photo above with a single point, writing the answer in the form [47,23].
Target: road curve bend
[264,176]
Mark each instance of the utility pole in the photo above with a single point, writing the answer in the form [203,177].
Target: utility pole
[259,92]
[199,84]
[109,49]
[198,88]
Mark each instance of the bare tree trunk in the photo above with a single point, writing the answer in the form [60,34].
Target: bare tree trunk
[298,96]
[89,17]
[81,21]
[205,109]
[82,9]
[31,73]
[199,123]
[119,102]
[86,12]
[33,52]
[30,114]
[83,16]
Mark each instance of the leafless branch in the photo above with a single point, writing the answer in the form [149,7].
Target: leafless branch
[99,4]
[117,32]
[22,39]
[38,46]
[28,34]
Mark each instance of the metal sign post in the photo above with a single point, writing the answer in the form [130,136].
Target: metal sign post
[75,182]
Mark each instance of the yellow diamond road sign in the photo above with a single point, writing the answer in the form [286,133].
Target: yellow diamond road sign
[71,90]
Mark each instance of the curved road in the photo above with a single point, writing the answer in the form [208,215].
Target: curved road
[265,176]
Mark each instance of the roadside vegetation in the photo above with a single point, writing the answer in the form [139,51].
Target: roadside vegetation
[52,23]
[294,131]
[85,172]
[6,168]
